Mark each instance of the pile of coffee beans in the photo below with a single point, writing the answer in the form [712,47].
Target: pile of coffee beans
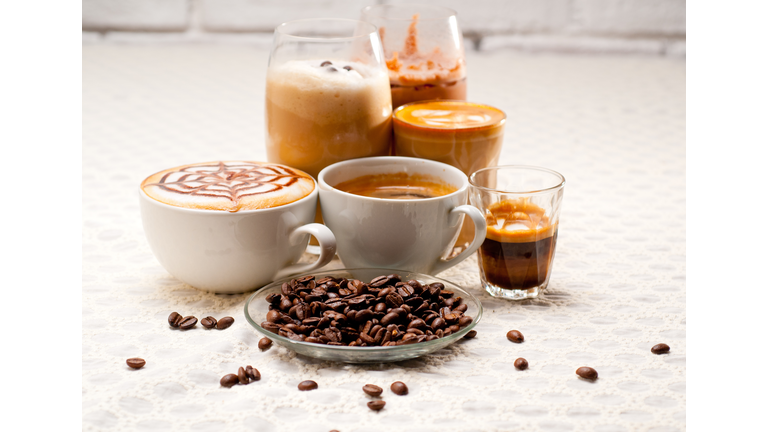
[384,312]
[187,322]
[243,376]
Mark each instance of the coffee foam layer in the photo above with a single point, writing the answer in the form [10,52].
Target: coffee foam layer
[229,186]
[450,115]
[324,96]
[517,221]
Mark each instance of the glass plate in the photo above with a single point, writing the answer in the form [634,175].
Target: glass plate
[256,309]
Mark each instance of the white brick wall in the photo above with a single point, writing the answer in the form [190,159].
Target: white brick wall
[655,27]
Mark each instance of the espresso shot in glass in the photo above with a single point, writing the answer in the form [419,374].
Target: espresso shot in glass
[521,205]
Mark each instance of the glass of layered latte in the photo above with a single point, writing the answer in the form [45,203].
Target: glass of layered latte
[522,212]
[424,51]
[327,95]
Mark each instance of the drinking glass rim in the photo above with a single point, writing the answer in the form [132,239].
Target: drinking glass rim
[528,167]
[281,29]
[450,12]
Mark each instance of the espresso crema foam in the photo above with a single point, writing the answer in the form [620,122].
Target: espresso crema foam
[328,91]
[229,186]
[450,115]
[517,221]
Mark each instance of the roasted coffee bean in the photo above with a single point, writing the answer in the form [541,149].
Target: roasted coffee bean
[372,390]
[187,322]
[399,388]
[326,63]
[460,308]
[266,325]
[660,348]
[521,364]
[135,362]
[349,68]
[390,318]
[229,380]
[465,321]
[470,334]
[241,376]
[208,322]
[376,405]
[307,385]
[332,69]
[252,373]
[174,319]
[515,336]
[454,328]
[587,373]
[437,323]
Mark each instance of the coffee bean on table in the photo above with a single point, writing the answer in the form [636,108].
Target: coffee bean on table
[660,348]
[521,364]
[252,373]
[470,334]
[372,390]
[515,336]
[326,63]
[241,376]
[265,343]
[399,388]
[307,385]
[188,322]
[376,405]
[225,323]
[208,322]
[587,373]
[136,363]
[173,319]
[229,380]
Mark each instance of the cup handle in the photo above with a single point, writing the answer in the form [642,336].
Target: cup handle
[479,221]
[327,247]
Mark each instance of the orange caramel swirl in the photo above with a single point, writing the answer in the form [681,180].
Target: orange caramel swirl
[229,186]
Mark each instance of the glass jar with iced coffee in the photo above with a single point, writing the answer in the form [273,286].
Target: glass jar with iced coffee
[327,95]
[424,51]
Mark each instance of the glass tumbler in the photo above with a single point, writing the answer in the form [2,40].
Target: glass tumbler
[522,211]
[424,51]
[327,94]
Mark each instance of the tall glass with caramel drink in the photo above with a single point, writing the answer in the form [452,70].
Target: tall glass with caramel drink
[327,95]
[424,51]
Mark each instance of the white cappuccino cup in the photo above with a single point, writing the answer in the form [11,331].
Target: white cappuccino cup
[234,251]
[408,234]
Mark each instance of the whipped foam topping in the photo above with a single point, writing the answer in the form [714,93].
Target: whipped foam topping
[229,186]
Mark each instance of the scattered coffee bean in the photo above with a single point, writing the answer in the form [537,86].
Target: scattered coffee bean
[225,323]
[385,312]
[376,405]
[265,343]
[399,388]
[241,376]
[307,385]
[515,336]
[136,363]
[587,373]
[470,334]
[332,69]
[660,348]
[208,322]
[187,322]
[326,63]
[521,364]
[372,390]
[252,373]
[229,380]
[174,319]
[349,68]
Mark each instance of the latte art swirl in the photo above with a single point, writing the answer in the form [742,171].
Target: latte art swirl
[229,186]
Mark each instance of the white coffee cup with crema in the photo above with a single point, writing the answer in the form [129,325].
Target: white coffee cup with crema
[414,233]
[232,227]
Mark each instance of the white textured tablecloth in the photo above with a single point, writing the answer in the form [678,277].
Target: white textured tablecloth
[614,127]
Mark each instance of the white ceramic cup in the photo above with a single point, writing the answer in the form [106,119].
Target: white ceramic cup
[415,235]
[225,252]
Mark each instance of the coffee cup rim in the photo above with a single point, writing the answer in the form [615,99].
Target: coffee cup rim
[396,119]
[313,193]
[338,165]
[558,186]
